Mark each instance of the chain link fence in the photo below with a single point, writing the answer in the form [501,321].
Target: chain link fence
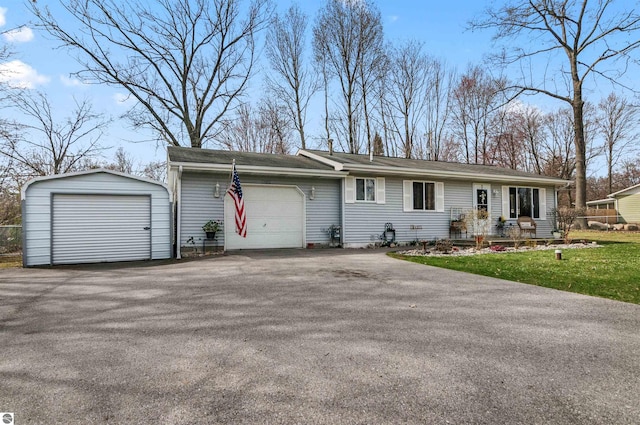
[10,239]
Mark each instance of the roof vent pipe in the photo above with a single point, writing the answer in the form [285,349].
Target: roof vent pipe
[330,142]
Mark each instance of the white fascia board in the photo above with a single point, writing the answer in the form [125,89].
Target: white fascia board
[338,166]
[600,201]
[453,174]
[252,169]
[620,192]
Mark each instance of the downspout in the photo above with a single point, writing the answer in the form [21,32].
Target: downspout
[179,214]
[342,213]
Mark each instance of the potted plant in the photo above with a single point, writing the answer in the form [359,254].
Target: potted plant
[500,225]
[211,227]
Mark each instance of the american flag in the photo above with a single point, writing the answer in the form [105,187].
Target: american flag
[235,190]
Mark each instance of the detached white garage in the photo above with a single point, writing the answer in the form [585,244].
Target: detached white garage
[95,216]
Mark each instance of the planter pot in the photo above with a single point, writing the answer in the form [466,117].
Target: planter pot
[556,235]
[211,235]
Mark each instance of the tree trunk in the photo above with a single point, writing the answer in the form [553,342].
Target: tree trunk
[581,172]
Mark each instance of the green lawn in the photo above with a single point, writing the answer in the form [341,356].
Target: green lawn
[612,271]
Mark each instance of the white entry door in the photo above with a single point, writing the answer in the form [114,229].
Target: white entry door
[275,218]
[482,202]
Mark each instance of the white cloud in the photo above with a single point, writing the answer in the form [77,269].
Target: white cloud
[19,35]
[20,75]
[3,19]
[393,18]
[70,82]
[123,99]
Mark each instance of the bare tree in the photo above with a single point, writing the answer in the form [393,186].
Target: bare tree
[595,39]
[437,107]
[345,35]
[265,130]
[48,145]
[475,99]
[155,170]
[275,125]
[617,123]
[185,62]
[295,84]
[407,80]
[122,162]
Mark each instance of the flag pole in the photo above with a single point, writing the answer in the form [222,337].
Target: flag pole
[233,167]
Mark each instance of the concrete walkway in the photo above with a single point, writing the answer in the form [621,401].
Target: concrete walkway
[309,337]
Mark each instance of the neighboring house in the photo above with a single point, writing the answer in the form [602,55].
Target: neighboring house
[626,202]
[294,200]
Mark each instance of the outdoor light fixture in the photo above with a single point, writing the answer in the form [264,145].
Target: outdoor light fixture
[495,192]
[216,193]
[312,195]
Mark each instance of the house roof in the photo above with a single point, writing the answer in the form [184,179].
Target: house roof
[248,162]
[418,167]
[624,191]
[601,201]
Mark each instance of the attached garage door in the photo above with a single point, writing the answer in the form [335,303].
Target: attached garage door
[100,228]
[275,218]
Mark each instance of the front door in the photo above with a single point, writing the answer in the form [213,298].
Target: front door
[481,204]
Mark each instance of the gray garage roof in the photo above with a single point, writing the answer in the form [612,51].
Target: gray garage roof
[220,157]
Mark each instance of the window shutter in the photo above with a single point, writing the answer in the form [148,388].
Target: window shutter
[505,202]
[380,190]
[439,197]
[543,204]
[407,196]
[349,190]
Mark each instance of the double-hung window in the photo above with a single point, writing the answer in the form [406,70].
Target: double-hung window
[424,196]
[366,189]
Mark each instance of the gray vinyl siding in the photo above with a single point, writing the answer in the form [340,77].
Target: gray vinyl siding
[37,210]
[364,221]
[199,204]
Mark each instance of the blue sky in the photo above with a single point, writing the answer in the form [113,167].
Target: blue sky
[39,64]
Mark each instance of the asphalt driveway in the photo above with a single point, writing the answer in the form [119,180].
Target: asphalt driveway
[309,337]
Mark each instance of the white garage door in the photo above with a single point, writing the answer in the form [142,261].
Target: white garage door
[100,228]
[275,218]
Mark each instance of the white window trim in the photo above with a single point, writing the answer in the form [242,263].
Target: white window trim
[407,196]
[542,204]
[378,192]
[365,190]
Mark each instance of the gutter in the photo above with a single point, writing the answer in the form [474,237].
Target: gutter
[252,169]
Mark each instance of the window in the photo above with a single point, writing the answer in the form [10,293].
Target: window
[525,202]
[365,190]
[424,196]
